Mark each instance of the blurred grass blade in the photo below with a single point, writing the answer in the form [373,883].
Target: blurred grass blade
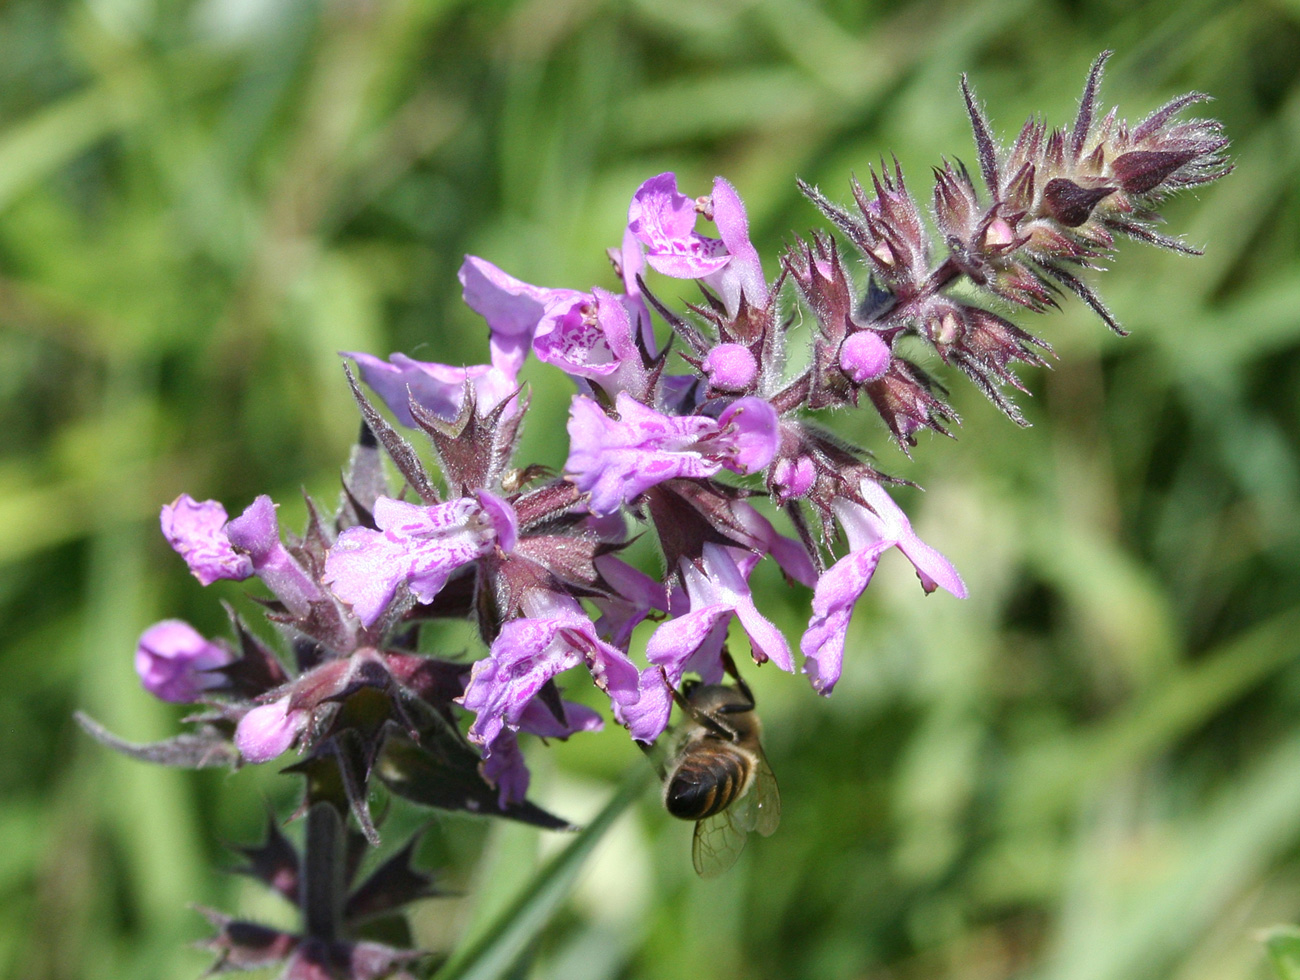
[54,136]
[500,945]
[1283,945]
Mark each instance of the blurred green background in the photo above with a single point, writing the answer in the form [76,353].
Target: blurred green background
[1090,770]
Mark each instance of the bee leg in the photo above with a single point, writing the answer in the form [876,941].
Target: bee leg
[715,726]
[729,666]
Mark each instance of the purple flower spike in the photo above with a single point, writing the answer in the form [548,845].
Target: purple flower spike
[173,660]
[870,532]
[715,592]
[197,531]
[663,220]
[269,730]
[257,533]
[415,546]
[437,387]
[530,651]
[617,460]
[511,308]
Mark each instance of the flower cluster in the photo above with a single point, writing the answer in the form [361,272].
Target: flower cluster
[678,444]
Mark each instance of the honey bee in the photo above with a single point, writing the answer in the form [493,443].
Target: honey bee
[720,777]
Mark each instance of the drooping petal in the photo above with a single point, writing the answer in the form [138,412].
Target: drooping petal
[722,579]
[504,767]
[889,523]
[743,275]
[440,388]
[837,591]
[538,719]
[692,641]
[511,308]
[526,654]
[173,660]
[647,718]
[197,531]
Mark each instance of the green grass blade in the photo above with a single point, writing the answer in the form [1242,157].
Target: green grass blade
[500,945]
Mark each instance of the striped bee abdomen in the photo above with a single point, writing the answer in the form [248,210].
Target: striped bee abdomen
[707,782]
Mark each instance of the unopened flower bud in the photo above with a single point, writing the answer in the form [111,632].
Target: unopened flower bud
[1071,204]
[864,356]
[731,367]
[792,477]
[173,660]
[269,730]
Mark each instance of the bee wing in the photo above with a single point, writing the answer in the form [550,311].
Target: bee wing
[717,844]
[766,799]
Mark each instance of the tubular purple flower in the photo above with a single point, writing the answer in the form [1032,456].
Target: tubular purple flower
[511,308]
[663,220]
[693,640]
[591,337]
[173,660]
[197,531]
[531,650]
[416,546]
[789,553]
[438,387]
[617,460]
[871,531]
[270,729]
[257,533]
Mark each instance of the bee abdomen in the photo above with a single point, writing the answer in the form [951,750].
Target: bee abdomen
[702,787]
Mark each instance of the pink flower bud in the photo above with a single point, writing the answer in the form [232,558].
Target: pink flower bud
[266,731]
[173,660]
[864,356]
[731,367]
